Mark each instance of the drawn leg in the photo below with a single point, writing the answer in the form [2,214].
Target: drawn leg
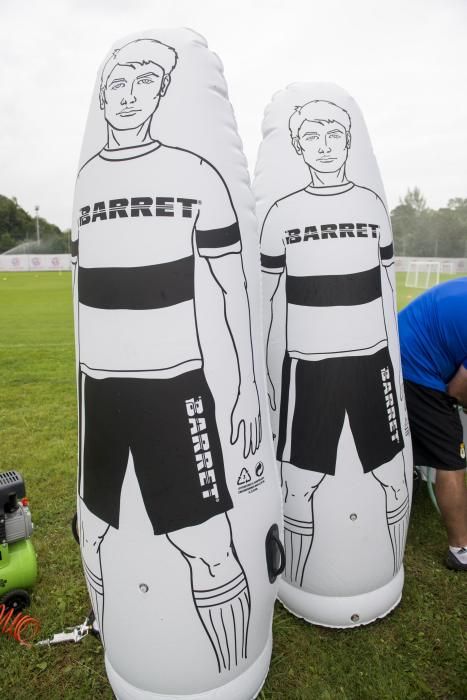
[92,531]
[392,478]
[219,586]
[298,490]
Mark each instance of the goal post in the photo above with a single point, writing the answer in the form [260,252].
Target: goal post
[448,268]
[422,274]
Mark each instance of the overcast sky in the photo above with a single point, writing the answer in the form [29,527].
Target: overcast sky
[403,61]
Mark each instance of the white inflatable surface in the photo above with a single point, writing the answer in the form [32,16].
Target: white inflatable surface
[339,417]
[177,485]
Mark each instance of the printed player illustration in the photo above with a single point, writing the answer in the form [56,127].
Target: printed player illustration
[333,240]
[145,211]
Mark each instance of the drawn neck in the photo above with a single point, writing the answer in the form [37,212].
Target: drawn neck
[129,138]
[338,177]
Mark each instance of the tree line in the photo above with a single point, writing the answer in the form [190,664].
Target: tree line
[18,227]
[421,231]
[418,230]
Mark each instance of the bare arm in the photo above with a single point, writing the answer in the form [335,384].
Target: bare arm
[246,418]
[457,387]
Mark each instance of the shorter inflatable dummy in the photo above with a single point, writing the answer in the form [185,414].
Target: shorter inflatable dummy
[178,498]
[333,361]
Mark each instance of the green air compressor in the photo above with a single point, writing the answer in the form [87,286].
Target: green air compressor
[18,565]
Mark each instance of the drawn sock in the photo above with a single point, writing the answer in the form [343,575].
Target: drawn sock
[397,520]
[298,538]
[225,614]
[96,593]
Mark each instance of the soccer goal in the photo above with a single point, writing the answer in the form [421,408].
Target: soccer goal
[423,274]
[448,268]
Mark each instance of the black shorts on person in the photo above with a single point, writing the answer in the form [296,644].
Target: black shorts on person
[316,395]
[437,436]
[169,427]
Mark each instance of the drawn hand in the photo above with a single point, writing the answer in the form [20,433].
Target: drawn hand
[246,419]
[271,393]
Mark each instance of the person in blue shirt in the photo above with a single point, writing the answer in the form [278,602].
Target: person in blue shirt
[433,337]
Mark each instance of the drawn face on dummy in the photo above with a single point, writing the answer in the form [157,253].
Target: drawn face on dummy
[324,145]
[133,80]
[132,94]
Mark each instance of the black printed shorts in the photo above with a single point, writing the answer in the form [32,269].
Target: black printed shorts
[316,395]
[436,428]
[169,427]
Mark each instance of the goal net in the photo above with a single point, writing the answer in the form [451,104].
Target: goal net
[423,274]
[448,268]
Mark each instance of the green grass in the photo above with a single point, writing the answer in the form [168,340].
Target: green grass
[416,653]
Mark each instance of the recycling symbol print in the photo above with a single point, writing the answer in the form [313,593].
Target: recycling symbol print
[244,477]
[249,484]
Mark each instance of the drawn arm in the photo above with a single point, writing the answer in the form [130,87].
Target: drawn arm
[388,288]
[270,284]
[74,266]
[245,417]
[273,260]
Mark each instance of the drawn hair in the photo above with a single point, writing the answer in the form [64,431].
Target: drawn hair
[320,111]
[139,52]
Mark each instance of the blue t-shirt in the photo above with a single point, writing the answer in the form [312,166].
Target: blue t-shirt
[433,334]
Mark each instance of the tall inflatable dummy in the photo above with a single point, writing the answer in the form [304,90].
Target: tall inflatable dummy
[339,415]
[178,497]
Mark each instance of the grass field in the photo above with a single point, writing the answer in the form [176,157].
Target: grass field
[416,653]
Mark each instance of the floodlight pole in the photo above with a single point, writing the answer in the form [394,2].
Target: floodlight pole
[38,233]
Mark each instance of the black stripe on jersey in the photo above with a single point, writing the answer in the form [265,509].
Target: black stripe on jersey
[334,290]
[273,262]
[218,237]
[387,252]
[74,248]
[148,287]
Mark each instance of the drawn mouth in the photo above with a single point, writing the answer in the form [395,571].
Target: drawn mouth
[128,112]
[326,160]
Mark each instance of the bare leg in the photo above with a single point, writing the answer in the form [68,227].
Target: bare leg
[391,476]
[220,589]
[298,489]
[92,531]
[451,495]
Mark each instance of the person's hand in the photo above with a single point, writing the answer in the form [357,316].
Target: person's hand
[246,419]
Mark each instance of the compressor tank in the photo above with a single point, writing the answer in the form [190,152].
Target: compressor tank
[333,362]
[179,503]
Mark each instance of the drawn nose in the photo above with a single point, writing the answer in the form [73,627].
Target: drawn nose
[128,99]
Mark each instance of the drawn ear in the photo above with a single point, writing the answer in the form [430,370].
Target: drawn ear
[349,139]
[101,98]
[296,145]
[165,85]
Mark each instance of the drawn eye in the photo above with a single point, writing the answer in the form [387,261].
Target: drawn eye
[311,137]
[117,85]
[335,136]
[145,81]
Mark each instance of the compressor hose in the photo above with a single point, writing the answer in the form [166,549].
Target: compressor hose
[15,624]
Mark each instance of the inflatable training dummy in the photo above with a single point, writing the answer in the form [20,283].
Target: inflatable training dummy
[343,441]
[179,501]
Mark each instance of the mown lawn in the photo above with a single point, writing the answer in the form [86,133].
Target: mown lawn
[416,653]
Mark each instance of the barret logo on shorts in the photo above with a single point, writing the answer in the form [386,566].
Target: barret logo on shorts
[202,452]
[326,231]
[462,450]
[389,397]
[137,206]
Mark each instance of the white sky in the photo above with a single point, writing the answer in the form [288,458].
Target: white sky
[404,61]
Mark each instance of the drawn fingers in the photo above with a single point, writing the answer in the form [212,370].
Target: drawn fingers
[235,428]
